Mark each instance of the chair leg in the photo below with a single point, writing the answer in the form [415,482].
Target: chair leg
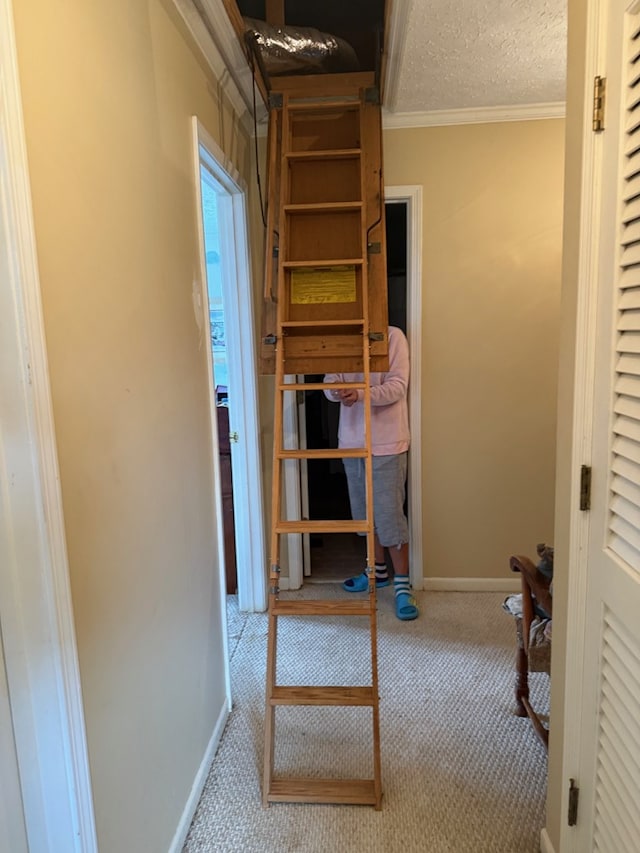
[522,681]
[540,729]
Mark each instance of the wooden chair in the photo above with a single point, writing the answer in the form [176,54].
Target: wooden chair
[536,594]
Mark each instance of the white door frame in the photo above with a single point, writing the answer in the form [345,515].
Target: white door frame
[577,535]
[241,360]
[412,197]
[35,601]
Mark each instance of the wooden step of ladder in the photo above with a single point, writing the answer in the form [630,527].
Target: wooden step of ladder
[321,211]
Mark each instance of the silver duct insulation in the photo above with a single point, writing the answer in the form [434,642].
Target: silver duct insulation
[300,50]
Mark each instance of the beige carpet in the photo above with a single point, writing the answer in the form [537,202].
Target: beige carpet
[461,773]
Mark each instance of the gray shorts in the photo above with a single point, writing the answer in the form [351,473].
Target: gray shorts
[389,479]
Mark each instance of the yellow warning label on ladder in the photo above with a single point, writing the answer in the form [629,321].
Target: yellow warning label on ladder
[323,285]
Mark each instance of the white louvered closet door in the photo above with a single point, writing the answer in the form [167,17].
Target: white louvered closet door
[609,779]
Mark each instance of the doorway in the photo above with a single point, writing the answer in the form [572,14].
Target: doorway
[218,342]
[227,330]
[336,556]
[331,557]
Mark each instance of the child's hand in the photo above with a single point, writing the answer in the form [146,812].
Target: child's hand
[349,396]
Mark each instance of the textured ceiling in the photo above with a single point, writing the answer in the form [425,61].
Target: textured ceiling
[470,54]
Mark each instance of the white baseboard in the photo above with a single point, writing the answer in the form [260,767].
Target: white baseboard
[198,783]
[545,843]
[472,584]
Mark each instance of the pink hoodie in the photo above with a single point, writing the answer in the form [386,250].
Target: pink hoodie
[389,414]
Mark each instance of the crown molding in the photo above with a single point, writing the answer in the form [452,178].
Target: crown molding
[211,29]
[480,115]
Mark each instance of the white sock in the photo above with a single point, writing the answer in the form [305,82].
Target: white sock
[401,585]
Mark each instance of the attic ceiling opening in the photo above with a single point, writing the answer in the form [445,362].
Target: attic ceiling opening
[360,23]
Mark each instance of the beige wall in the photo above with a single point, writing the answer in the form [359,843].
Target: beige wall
[108,92]
[492,196]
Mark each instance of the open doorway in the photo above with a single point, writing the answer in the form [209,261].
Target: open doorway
[218,342]
[297,487]
[331,557]
[228,333]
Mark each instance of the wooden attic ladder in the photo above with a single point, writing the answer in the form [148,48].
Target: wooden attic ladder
[327,289]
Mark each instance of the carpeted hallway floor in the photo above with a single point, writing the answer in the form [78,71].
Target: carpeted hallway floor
[461,773]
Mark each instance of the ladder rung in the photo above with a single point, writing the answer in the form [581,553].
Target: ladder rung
[325,453]
[307,526]
[342,696]
[319,106]
[354,791]
[318,386]
[326,154]
[323,325]
[321,607]
[323,207]
[340,262]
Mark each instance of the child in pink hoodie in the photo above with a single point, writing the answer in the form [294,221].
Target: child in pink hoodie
[389,444]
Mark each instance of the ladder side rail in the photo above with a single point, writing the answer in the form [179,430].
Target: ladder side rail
[366,364]
[369,455]
[276,492]
[272,198]
[274,577]
[376,240]
[375,710]
[276,474]
[377,769]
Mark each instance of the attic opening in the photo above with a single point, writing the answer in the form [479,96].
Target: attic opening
[357,23]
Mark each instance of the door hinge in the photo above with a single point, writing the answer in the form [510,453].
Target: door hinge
[574,793]
[599,86]
[585,487]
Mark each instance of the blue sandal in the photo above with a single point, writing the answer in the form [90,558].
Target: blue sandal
[406,609]
[361,583]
